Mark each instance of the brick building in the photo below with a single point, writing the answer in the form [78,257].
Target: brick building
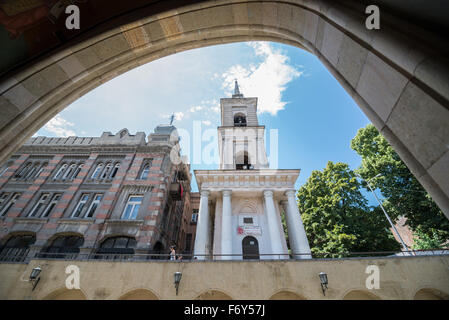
[101,196]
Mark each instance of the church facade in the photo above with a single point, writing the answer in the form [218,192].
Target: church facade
[242,202]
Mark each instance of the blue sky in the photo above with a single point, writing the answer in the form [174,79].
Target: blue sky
[315,117]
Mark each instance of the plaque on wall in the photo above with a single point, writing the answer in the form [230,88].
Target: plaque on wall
[249,230]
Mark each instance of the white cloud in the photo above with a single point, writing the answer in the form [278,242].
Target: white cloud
[179,115]
[206,122]
[266,80]
[59,126]
[196,108]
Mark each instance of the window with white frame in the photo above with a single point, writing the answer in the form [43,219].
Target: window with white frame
[146,166]
[54,200]
[39,205]
[22,172]
[77,171]
[114,171]
[132,207]
[106,171]
[69,172]
[80,205]
[97,171]
[94,205]
[9,203]
[60,172]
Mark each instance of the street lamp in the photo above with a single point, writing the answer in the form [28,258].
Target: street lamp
[323,279]
[404,246]
[178,276]
[34,276]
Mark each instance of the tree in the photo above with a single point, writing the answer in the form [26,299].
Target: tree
[405,195]
[336,216]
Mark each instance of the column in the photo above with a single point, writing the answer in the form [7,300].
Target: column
[273,226]
[296,233]
[202,226]
[226,226]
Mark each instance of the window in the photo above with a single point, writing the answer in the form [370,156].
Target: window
[93,206]
[66,247]
[16,248]
[56,197]
[189,242]
[240,120]
[23,171]
[132,207]
[248,220]
[194,218]
[117,248]
[39,205]
[59,173]
[9,204]
[106,171]
[80,206]
[3,198]
[114,171]
[97,171]
[77,171]
[5,168]
[69,171]
[40,170]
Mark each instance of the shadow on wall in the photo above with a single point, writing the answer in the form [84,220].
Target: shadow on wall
[286,295]
[360,295]
[213,295]
[66,294]
[431,294]
[139,294]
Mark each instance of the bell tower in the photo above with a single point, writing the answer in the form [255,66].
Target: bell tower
[240,137]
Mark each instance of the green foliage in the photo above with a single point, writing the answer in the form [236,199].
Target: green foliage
[405,194]
[336,217]
[424,242]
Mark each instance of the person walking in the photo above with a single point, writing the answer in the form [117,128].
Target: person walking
[172,253]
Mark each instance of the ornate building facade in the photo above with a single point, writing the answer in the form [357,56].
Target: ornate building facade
[116,194]
[241,203]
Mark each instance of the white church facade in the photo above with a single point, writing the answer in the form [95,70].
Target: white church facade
[241,202]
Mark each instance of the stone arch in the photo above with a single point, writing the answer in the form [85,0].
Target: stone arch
[285,294]
[360,295]
[66,294]
[213,294]
[397,77]
[139,294]
[430,294]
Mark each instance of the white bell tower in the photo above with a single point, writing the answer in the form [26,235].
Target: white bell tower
[240,137]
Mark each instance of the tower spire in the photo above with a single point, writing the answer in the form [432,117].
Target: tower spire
[237,93]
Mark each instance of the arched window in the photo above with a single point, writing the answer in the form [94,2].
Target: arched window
[59,173]
[34,168]
[145,172]
[97,171]
[114,171]
[5,168]
[106,171]
[117,248]
[69,171]
[40,170]
[16,248]
[239,120]
[242,161]
[77,171]
[63,247]
[22,173]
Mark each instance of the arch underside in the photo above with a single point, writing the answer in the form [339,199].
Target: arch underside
[397,77]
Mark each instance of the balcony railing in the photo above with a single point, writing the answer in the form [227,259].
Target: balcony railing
[148,257]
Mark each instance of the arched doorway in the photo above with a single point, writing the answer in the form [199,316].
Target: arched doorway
[286,295]
[17,247]
[250,248]
[213,295]
[66,294]
[430,294]
[139,294]
[360,295]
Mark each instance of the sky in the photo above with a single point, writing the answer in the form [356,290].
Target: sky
[314,116]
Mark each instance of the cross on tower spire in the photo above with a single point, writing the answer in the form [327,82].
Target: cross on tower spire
[237,93]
